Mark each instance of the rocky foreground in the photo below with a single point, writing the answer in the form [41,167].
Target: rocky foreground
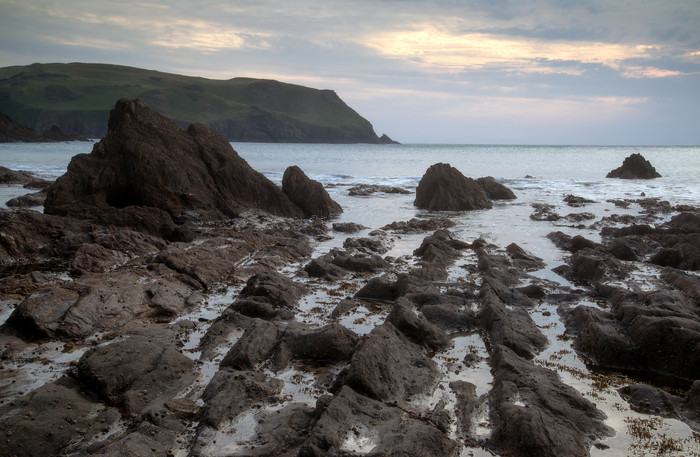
[172,301]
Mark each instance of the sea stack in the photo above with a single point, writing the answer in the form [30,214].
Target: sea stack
[444,188]
[147,160]
[308,194]
[635,167]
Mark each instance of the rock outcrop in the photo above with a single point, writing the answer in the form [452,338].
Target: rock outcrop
[146,160]
[635,167]
[444,188]
[308,194]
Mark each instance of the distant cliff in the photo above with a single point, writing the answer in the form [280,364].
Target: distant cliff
[77,97]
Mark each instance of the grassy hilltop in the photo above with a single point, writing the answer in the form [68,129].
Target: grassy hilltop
[77,97]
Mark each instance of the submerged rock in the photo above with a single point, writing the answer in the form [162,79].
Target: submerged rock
[634,167]
[145,159]
[364,190]
[308,194]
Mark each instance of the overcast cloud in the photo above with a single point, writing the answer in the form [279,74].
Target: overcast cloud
[441,71]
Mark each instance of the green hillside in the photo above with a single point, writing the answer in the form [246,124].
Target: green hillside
[78,97]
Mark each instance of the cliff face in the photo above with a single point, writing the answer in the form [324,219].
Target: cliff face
[78,97]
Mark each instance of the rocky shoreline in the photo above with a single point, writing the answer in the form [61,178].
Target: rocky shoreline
[149,314]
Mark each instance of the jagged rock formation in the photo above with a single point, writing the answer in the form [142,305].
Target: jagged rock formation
[146,160]
[635,167]
[308,194]
[444,188]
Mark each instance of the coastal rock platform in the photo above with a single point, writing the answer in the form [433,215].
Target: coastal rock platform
[221,326]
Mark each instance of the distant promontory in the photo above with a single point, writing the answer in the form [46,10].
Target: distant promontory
[77,97]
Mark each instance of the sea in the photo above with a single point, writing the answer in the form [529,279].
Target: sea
[536,174]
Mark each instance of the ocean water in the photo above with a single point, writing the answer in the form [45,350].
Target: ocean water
[536,174]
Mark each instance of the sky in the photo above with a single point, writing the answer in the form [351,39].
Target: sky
[438,71]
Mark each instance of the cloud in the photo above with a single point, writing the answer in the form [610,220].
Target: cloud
[414,68]
[437,49]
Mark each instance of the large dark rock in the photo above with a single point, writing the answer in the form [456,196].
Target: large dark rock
[535,413]
[255,346]
[388,367]
[513,328]
[97,303]
[231,392]
[51,418]
[670,345]
[307,194]
[416,328]
[136,373]
[329,344]
[494,189]
[634,167]
[145,159]
[350,421]
[444,188]
[603,339]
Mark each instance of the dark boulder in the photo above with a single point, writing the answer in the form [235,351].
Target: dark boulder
[571,243]
[255,346]
[136,373]
[28,200]
[417,329]
[329,344]
[648,400]
[634,167]
[602,338]
[349,421]
[378,288]
[231,392]
[535,413]
[494,189]
[307,194]
[444,188]
[145,159]
[273,288]
[523,259]
[593,266]
[416,225]
[348,227]
[670,345]
[49,419]
[514,328]
[388,367]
